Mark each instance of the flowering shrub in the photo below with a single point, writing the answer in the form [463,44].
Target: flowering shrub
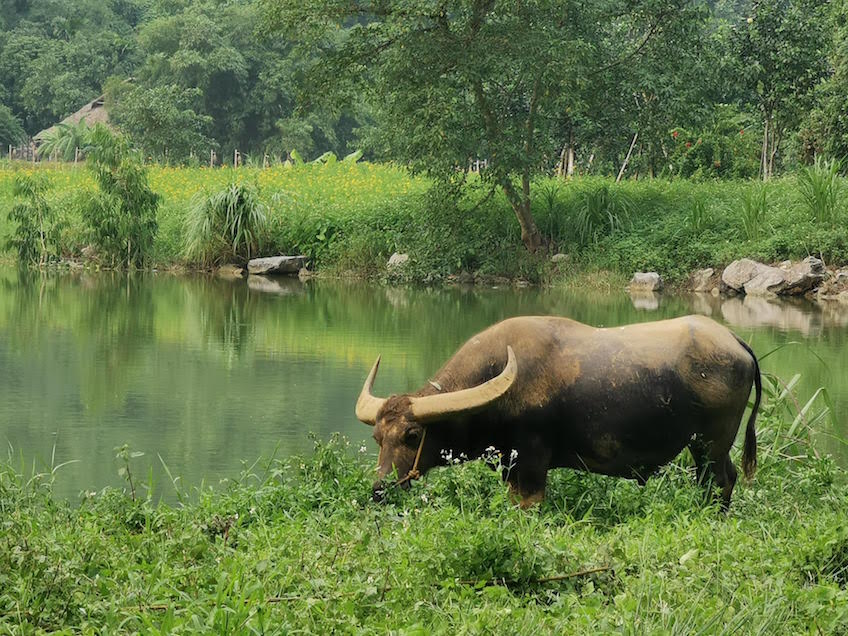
[728,150]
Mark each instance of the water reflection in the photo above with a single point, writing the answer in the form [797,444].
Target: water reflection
[206,372]
[799,315]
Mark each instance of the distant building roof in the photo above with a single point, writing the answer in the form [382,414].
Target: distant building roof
[92,113]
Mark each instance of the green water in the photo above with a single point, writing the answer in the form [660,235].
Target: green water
[209,373]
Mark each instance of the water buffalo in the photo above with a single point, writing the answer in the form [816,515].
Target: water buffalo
[618,401]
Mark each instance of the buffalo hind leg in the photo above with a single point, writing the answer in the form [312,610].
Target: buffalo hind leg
[714,470]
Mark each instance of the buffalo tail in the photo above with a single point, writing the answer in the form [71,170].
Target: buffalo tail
[749,453]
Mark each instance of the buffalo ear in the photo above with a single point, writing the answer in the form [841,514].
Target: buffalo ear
[367,406]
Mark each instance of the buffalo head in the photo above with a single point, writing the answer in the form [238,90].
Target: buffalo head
[400,421]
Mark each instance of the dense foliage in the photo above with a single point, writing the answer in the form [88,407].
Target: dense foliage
[297,544]
[185,76]
[195,76]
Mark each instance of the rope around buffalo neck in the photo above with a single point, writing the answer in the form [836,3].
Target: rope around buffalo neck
[413,473]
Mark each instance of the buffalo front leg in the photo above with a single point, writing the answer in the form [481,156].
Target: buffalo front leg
[527,487]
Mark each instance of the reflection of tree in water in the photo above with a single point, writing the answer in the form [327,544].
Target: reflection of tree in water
[110,317]
[113,328]
[223,310]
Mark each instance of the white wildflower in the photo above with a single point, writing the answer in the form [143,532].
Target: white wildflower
[424,497]
[513,455]
[362,449]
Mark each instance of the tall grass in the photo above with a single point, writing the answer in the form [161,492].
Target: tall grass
[603,209]
[227,226]
[821,187]
[754,211]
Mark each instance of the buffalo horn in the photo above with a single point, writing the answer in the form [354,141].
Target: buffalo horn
[433,407]
[367,406]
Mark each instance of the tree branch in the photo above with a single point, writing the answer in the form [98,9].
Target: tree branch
[651,32]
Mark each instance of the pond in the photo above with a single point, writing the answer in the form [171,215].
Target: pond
[208,373]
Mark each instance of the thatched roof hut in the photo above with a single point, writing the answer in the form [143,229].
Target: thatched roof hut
[92,113]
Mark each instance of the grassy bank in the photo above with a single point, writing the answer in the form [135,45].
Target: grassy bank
[296,545]
[352,217]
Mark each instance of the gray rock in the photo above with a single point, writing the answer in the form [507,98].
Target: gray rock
[559,258]
[757,279]
[740,272]
[645,281]
[397,260]
[701,280]
[769,281]
[804,276]
[465,278]
[273,265]
[89,253]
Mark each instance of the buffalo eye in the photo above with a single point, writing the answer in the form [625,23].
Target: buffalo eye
[412,436]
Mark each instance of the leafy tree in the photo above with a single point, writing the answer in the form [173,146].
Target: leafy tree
[780,47]
[11,131]
[469,78]
[159,120]
[826,129]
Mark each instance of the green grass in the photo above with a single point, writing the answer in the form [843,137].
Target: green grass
[351,217]
[297,545]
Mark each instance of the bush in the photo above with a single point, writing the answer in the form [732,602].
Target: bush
[227,226]
[122,216]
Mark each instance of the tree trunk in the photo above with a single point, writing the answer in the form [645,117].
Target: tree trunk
[569,167]
[775,142]
[560,169]
[764,155]
[627,158]
[520,202]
